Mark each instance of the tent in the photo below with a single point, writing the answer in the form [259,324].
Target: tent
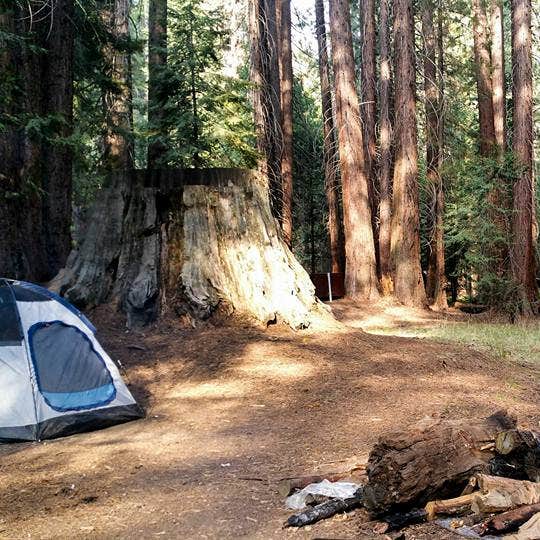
[55,378]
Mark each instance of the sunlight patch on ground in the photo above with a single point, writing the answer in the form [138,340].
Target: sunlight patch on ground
[214,389]
[277,368]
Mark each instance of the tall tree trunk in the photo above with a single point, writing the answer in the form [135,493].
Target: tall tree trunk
[264,75]
[157,61]
[36,175]
[369,103]
[405,240]
[522,257]
[335,229]
[482,62]
[497,74]
[361,269]
[118,140]
[385,169]
[286,87]
[435,286]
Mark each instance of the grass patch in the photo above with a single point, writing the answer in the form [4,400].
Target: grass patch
[514,341]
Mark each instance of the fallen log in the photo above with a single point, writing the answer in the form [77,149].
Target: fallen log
[449,507]
[432,460]
[286,486]
[499,494]
[521,449]
[507,521]
[530,530]
[323,511]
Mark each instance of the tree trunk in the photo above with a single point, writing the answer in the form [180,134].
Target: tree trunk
[332,188]
[497,74]
[361,270]
[286,88]
[201,243]
[432,460]
[264,75]
[369,103]
[482,61]
[523,261]
[157,61]
[436,280]
[36,174]
[385,169]
[118,140]
[405,239]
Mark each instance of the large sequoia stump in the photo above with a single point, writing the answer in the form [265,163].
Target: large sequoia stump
[195,241]
[432,460]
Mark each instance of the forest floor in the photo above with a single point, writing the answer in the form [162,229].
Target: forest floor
[231,409]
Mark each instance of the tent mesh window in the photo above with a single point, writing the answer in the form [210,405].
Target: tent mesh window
[10,330]
[70,374]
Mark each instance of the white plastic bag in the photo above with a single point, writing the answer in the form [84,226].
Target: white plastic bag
[334,490]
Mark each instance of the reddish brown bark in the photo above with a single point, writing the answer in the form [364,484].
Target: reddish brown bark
[433,77]
[482,62]
[157,60]
[368,106]
[522,256]
[264,75]
[335,228]
[286,87]
[385,170]
[118,140]
[360,272]
[405,239]
[497,74]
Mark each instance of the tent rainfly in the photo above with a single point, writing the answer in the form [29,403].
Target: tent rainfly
[55,378]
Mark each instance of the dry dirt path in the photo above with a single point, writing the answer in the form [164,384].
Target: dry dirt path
[232,409]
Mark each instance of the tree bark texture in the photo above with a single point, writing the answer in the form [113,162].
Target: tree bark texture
[361,268]
[368,106]
[331,173]
[157,61]
[482,62]
[286,88]
[36,171]
[201,243]
[405,238]
[118,139]
[523,259]
[497,74]
[264,75]
[434,111]
[385,160]
[431,460]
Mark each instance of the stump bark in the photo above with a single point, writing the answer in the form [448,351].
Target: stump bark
[432,460]
[198,242]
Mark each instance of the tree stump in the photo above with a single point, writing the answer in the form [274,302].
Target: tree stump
[432,460]
[194,241]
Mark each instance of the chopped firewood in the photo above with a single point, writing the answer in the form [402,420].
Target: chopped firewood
[395,522]
[431,460]
[449,507]
[530,530]
[521,448]
[499,494]
[471,486]
[323,511]
[507,521]
[286,486]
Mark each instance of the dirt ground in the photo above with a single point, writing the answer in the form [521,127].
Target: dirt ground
[230,411]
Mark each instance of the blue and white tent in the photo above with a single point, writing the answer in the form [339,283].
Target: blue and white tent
[55,378]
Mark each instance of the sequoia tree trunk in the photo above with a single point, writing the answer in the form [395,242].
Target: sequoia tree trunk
[497,74]
[385,169]
[361,268]
[523,260]
[331,176]
[265,95]
[405,240]
[199,243]
[286,89]
[36,173]
[433,77]
[157,61]
[368,106]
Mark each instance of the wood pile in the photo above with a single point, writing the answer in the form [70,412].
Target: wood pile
[477,476]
